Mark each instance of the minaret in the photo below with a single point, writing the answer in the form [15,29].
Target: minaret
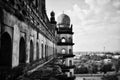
[52,18]
[53,30]
[65,45]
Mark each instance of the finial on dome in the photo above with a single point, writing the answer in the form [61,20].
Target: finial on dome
[52,13]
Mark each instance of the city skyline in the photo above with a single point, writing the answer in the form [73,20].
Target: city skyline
[96,23]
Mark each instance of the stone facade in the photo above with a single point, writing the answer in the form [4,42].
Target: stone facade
[28,38]
[26,33]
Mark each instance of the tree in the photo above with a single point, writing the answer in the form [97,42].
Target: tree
[117,65]
[106,68]
[81,70]
[109,77]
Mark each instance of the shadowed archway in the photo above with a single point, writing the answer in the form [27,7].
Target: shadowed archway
[42,51]
[22,51]
[31,51]
[6,51]
[37,50]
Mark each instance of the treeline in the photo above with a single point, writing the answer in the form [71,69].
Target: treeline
[93,69]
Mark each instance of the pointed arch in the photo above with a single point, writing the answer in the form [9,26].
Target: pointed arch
[70,51]
[6,51]
[45,50]
[70,63]
[63,51]
[63,40]
[22,51]
[37,50]
[70,39]
[42,50]
[31,51]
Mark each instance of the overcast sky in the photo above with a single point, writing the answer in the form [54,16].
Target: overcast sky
[96,23]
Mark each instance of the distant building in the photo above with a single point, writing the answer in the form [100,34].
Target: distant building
[65,44]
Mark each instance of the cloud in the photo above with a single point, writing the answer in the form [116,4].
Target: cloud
[96,24]
[99,11]
[116,3]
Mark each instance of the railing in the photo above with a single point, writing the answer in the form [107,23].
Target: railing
[67,67]
[39,65]
[66,55]
[66,43]
[66,30]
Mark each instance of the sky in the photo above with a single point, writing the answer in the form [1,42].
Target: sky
[96,23]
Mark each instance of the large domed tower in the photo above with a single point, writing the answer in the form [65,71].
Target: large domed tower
[65,45]
[63,20]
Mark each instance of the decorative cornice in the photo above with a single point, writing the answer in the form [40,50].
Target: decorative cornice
[28,15]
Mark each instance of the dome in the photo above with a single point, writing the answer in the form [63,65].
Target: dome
[63,19]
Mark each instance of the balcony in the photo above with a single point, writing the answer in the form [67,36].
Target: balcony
[64,67]
[64,30]
[66,43]
[66,55]
[65,70]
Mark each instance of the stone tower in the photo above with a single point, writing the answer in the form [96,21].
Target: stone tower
[65,45]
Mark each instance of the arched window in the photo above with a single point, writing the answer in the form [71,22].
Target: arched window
[46,51]
[70,39]
[6,51]
[31,51]
[70,51]
[37,50]
[70,62]
[22,52]
[63,51]
[41,50]
[63,40]
[70,74]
